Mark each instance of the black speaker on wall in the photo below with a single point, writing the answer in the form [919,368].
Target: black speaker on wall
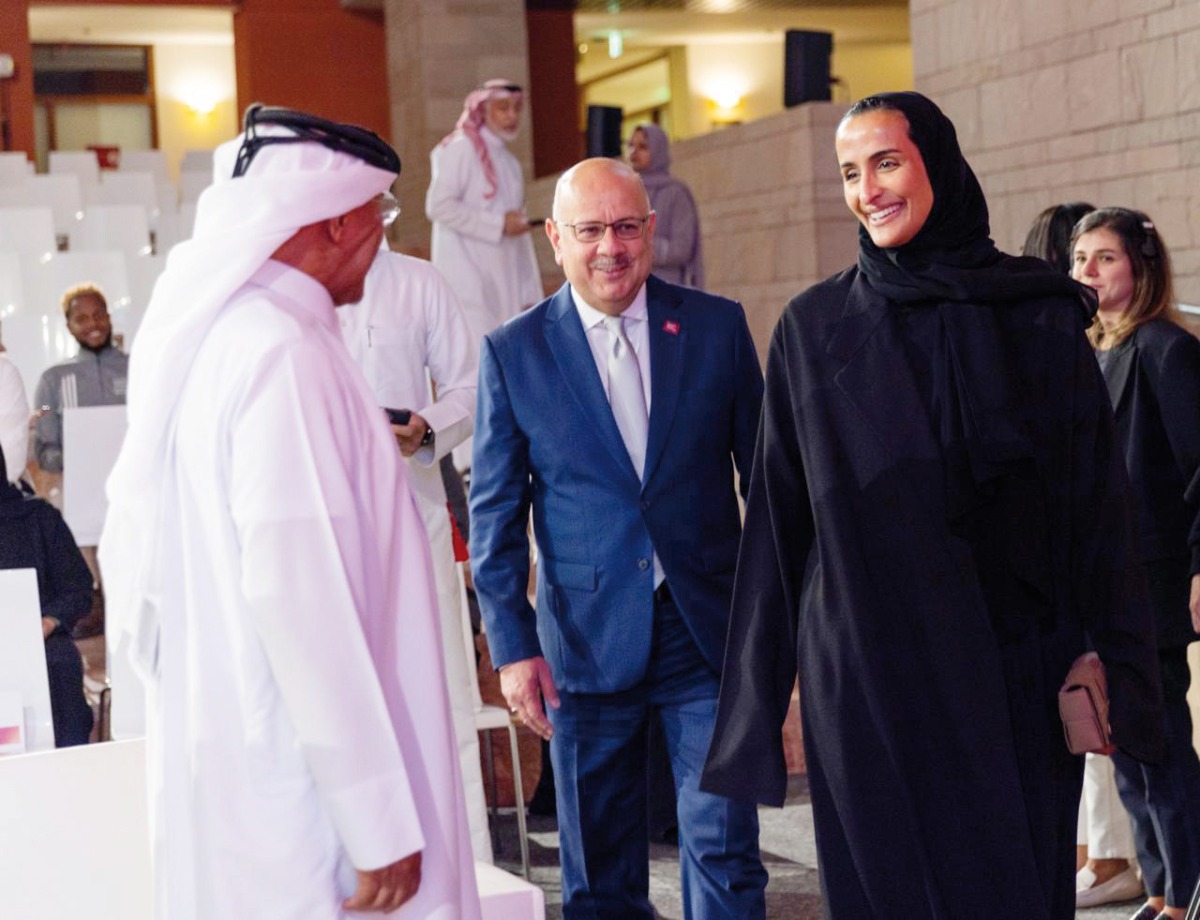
[604,131]
[806,66]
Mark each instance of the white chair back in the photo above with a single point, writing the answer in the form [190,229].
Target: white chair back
[28,231]
[113,226]
[23,661]
[13,167]
[192,183]
[60,193]
[197,161]
[81,163]
[125,188]
[150,161]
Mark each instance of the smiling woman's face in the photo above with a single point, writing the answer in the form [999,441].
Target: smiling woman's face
[883,176]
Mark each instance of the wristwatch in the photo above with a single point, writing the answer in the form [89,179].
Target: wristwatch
[427,438]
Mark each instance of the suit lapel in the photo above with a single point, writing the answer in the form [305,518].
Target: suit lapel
[668,337]
[569,346]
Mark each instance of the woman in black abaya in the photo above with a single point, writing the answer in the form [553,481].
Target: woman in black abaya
[936,528]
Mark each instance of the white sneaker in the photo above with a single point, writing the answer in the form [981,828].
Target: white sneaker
[1121,887]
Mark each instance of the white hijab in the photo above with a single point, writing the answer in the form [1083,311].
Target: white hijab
[239,224]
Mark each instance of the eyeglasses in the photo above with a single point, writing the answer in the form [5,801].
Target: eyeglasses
[592,231]
[389,208]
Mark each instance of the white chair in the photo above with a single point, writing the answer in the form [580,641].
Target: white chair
[13,167]
[12,287]
[113,226]
[192,183]
[494,718]
[28,231]
[187,220]
[81,163]
[149,161]
[61,193]
[125,188]
[197,161]
[143,275]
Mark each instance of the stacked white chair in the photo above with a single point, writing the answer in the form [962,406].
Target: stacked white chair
[28,232]
[61,193]
[113,226]
[150,161]
[81,163]
[192,183]
[197,161]
[13,167]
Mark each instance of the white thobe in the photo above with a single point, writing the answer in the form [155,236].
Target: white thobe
[494,276]
[407,329]
[14,418]
[298,725]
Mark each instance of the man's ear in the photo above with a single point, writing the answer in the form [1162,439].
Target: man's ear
[335,227]
[552,233]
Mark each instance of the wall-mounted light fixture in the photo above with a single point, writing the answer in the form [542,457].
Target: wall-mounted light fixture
[199,97]
[725,96]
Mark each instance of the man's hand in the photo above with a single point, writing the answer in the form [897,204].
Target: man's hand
[409,436]
[386,889]
[49,624]
[1194,603]
[524,685]
[515,223]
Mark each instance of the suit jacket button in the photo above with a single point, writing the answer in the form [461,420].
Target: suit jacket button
[643,564]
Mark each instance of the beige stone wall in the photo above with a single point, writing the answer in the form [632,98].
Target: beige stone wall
[771,212]
[1058,101]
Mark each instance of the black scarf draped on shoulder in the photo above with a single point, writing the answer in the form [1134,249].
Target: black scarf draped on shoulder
[953,267]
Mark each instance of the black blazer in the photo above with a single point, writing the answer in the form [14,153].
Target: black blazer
[1153,380]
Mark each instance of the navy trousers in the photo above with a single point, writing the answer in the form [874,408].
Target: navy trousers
[1164,799]
[599,756]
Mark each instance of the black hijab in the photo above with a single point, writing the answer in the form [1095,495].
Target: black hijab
[952,257]
[977,409]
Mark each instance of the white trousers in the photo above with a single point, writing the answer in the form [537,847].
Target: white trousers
[1104,824]
[461,678]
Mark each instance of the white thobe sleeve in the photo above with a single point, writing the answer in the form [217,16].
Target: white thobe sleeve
[448,200]
[453,363]
[311,572]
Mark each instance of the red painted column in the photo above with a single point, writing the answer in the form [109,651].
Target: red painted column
[553,96]
[16,93]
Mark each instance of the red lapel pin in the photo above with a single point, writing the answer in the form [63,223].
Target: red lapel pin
[671,326]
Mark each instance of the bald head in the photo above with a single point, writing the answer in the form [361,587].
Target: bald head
[603,233]
[585,177]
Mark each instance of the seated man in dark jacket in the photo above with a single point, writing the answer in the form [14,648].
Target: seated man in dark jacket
[33,535]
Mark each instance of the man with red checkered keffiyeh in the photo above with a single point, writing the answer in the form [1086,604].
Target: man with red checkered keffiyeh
[476,198]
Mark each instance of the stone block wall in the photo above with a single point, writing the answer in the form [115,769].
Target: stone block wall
[772,217]
[1058,101]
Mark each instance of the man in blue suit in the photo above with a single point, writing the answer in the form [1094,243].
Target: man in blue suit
[615,411]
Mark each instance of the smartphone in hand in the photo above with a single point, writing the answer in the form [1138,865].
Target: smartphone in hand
[399,416]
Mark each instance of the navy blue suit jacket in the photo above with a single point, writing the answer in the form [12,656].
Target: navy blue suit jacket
[546,441]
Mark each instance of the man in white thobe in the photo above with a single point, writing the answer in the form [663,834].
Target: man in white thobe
[476,200]
[407,331]
[267,567]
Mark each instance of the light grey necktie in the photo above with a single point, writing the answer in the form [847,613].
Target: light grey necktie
[625,392]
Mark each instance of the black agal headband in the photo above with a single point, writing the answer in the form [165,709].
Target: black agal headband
[350,139]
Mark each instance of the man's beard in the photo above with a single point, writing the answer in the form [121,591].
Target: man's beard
[99,348]
[507,136]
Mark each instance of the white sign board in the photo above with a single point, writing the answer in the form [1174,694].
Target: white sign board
[23,663]
[92,437]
